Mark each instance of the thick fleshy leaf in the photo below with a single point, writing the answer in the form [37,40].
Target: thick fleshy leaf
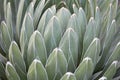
[37,71]
[53,8]
[89,35]
[52,34]
[110,72]
[69,46]
[63,14]
[17,60]
[85,69]
[56,65]
[36,48]
[26,31]
[90,8]
[68,76]
[19,17]
[30,8]
[107,43]
[9,20]
[38,12]
[98,21]
[93,50]
[2,71]
[75,9]
[48,14]
[6,39]
[11,72]
[115,55]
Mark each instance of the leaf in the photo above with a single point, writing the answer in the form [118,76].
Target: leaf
[56,65]
[52,34]
[115,55]
[11,72]
[26,31]
[5,36]
[36,48]
[89,35]
[68,76]
[37,71]
[110,72]
[47,15]
[17,60]
[85,69]
[93,50]
[19,17]
[69,46]
[63,14]
[107,43]
[38,12]
[9,20]
[2,71]
[75,9]
[98,21]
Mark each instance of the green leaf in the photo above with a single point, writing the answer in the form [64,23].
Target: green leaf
[17,60]
[36,48]
[2,71]
[26,31]
[68,76]
[48,14]
[11,72]
[107,43]
[38,12]
[93,50]
[5,36]
[52,34]
[56,65]
[85,69]
[30,9]
[9,20]
[98,21]
[69,46]
[19,17]
[89,35]
[75,9]
[115,55]
[63,14]
[53,8]
[110,72]
[37,71]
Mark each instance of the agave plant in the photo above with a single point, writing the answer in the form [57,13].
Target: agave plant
[59,40]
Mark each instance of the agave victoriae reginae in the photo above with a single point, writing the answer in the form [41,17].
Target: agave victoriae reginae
[59,40]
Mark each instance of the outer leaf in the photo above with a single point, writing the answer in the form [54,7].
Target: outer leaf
[68,76]
[38,12]
[17,60]
[26,32]
[36,48]
[93,50]
[30,8]
[75,9]
[37,71]
[63,14]
[110,72]
[115,55]
[9,20]
[48,14]
[19,17]
[56,65]
[69,45]
[52,34]
[108,40]
[85,69]
[11,72]
[2,71]
[89,35]
[5,36]
[98,21]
